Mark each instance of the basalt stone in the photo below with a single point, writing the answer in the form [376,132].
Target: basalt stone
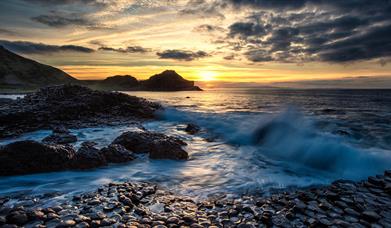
[159,146]
[88,156]
[116,153]
[192,128]
[17,217]
[60,135]
[370,216]
[71,105]
[24,157]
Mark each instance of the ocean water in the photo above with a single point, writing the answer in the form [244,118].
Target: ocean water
[253,141]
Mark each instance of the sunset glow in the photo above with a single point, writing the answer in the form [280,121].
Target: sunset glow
[207,40]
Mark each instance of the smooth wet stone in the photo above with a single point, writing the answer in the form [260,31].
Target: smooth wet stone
[67,223]
[370,216]
[17,217]
[82,225]
[174,220]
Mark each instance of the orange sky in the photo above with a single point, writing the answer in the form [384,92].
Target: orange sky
[207,40]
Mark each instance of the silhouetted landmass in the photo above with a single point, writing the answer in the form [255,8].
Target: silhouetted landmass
[168,80]
[17,72]
[21,74]
[118,82]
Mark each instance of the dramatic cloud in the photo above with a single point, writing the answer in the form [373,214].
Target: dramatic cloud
[64,2]
[208,28]
[130,49]
[39,48]
[61,21]
[330,31]
[246,29]
[182,55]
[204,8]
[7,32]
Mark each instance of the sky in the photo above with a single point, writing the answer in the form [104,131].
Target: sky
[279,42]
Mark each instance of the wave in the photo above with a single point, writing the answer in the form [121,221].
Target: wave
[291,138]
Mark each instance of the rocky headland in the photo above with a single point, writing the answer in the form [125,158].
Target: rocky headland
[71,106]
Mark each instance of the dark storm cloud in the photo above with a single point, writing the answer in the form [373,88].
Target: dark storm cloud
[63,2]
[208,28]
[182,55]
[204,8]
[7,32]
[61,21]
[130,49]
[246,29]
[58,20]
[26,47]
[318,30]
[267,4]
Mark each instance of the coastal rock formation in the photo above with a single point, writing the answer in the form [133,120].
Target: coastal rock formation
[19,72]
[168,80]
[73,106]
[192,129]
[88,157]
[159,146]
[341,204]
[116,153]
[118,83]
[60,135]
[26,157]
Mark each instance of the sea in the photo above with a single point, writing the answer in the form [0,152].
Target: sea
[252,141]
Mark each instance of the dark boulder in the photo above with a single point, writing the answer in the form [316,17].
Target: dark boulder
[88,157]
[116,153]
[60,135]
[159,146]
[192,129]
[26,157]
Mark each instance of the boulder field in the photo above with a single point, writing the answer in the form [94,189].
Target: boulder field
[26,157]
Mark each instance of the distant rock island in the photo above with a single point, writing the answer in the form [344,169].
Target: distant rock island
[21,74]
[168,80]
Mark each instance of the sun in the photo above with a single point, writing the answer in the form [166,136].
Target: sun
[207,75]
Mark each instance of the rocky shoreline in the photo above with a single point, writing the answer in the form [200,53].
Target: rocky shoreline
[341,204]
[132,204]
[71,106]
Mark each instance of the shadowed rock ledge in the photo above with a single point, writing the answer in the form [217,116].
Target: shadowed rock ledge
[71,106]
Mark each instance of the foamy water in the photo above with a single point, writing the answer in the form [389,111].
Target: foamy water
[252,141]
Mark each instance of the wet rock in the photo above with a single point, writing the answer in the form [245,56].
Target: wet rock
[73,106]
[25,157]
[159,146]
[60,135]
[88,157]
[116,153]
[370,216]
[17,217]
[192,128]
[66,223]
